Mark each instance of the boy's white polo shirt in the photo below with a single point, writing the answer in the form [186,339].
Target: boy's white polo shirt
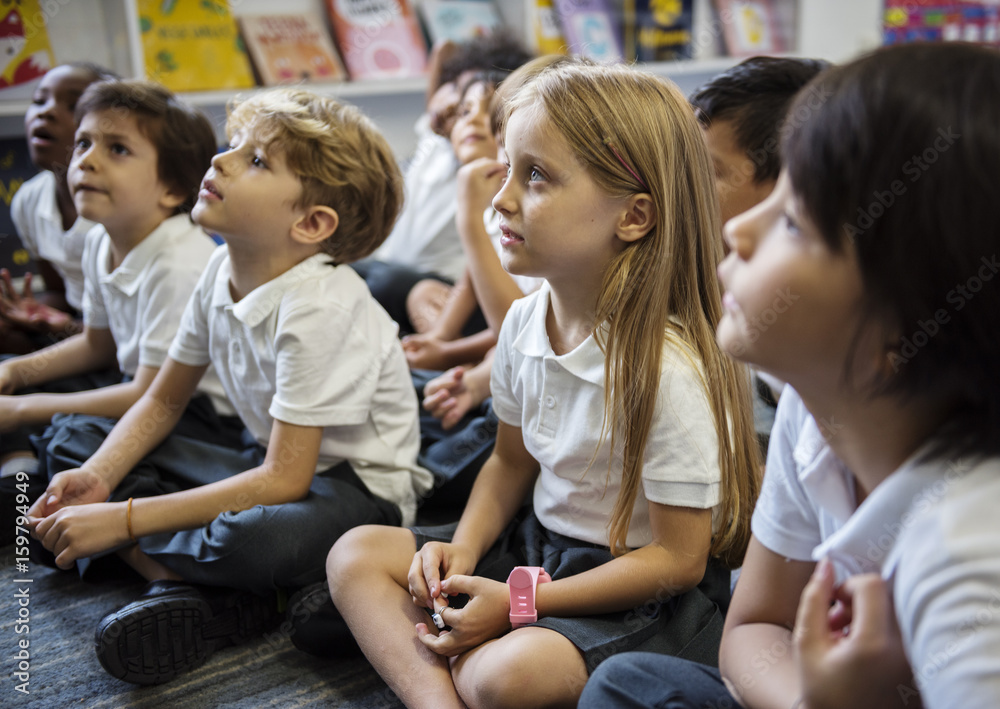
[39,225]
[931,529]
[313,348]
[558,403]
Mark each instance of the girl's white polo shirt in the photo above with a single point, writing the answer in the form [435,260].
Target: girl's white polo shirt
[558,403]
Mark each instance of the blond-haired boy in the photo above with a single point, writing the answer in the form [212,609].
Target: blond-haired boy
[312,366]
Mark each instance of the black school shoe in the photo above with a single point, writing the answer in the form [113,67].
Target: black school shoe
[315,626]
[174,627]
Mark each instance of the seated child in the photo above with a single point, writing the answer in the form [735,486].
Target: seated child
[314,369]
[46,219]
[616,408]
[424,242]
[742,114]
[135,171]
[871,578]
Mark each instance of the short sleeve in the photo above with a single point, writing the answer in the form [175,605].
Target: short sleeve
[19,216]
[682,451]
[784,520]
[506,405]
[162,303]
[190,345]
[95,313]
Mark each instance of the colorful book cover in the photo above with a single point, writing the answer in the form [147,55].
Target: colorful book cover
[749,27]
[658,30]
[378,39]
[546,28]
[287,49]
[590,29]
[193,45]
[25,51]
[458,20]
[957,20]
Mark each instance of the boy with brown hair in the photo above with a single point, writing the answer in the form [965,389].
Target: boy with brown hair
[314,369]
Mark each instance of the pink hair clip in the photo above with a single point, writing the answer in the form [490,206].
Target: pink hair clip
[607,142]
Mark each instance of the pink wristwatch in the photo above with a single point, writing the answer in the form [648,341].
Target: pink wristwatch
[522,583]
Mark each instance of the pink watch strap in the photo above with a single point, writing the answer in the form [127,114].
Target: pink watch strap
[522,583]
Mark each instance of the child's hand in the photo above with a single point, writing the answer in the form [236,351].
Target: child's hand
[24,310]
[484,617]
[425,351]
[449,397]
[83,530]
[850,654]
[70,487]
[433,561]
[478,183]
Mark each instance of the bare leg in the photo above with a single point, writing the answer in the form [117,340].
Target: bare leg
[425,302]
[148,568]
[367,570]
[530,667]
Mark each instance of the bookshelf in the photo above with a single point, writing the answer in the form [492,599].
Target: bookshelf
[107,32]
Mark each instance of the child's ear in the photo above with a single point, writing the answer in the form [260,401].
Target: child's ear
[316,225]
[171,200]
[639,218]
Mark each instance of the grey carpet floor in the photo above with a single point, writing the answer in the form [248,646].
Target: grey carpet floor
[64,672]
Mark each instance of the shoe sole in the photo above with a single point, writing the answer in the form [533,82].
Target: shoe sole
[151,641]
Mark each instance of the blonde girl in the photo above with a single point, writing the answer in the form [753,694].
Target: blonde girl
[619,416]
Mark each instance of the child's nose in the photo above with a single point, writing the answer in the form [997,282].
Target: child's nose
[503,201]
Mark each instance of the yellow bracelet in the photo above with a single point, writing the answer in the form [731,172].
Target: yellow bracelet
[128,521]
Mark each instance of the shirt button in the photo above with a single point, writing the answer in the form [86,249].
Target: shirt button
[550,401]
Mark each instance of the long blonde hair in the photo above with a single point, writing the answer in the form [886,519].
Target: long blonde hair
[636,133]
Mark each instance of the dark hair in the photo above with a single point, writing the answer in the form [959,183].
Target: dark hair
[755,95]
[183,136]
[902,159]
[100,73]
[500,51]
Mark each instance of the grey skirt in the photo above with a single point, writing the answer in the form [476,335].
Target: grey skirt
[687,626]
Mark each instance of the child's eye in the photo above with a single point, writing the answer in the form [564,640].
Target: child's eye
[790,224]
[119,149]
[258,161]
[82,144]
[535,175]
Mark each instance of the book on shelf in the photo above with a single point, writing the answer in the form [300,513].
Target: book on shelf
[546,30]
[25,50]
[657,31]
[287,49]
[912,21]
[749,27]
[378,39]
[591,29]
[193,46]
[458,20]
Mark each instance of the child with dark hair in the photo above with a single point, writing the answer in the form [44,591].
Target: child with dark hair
[315,372]
[424,242]
[135,173]
[871,578]
[742,111]
[46,219]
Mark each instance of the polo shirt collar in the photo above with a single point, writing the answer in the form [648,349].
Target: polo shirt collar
[132,271]
[586,361]
[868,532]
[256,305]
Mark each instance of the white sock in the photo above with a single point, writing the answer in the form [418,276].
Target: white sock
[20,464]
